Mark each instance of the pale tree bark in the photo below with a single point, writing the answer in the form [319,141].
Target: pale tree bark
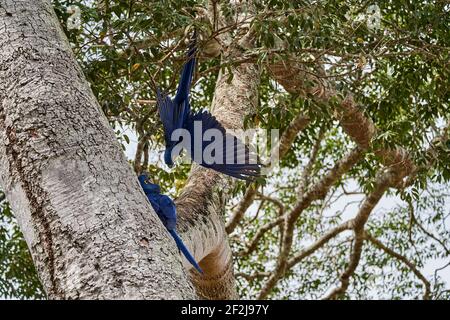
[89,227]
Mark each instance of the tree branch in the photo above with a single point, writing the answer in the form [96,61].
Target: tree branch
[306,252]
[327,236]
[298,124]
[318,191]
[261,231]
[382,183]
[241,208]
[409,264]
[292,76]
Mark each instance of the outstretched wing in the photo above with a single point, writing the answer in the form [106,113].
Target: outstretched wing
[224,152]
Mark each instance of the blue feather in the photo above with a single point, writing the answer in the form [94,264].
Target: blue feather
[184,250]
[173,113]
[177,114]
[166,210]
[243,169]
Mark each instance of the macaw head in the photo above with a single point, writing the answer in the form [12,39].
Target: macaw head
[149,188]
[168,157]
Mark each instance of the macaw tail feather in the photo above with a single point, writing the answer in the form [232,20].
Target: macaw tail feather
[185,250]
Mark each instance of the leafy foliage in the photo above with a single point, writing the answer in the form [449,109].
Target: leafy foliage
[397,71]
[18,278]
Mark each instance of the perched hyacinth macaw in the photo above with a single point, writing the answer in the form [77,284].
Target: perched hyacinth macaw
[230,156]
[166,210]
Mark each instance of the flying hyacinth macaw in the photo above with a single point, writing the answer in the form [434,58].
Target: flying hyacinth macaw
[233,155]
[166,210]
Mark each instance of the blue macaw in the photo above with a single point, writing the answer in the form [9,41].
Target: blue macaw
[176,114]
[166,210]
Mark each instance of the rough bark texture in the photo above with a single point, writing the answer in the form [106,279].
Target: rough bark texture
[90,229]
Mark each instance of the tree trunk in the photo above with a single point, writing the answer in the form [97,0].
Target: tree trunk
[89,227]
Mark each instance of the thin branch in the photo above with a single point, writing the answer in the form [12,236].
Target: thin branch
[409,264]
[318,191]
[306,174]
[143,101]
[265,228]
[383,182]
[421,227]
[306,252]
[298,124]
[241,208]
[445,266]
[324,239]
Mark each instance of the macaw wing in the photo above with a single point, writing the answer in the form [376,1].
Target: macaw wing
[172,115]
[224,152]
[168,211]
